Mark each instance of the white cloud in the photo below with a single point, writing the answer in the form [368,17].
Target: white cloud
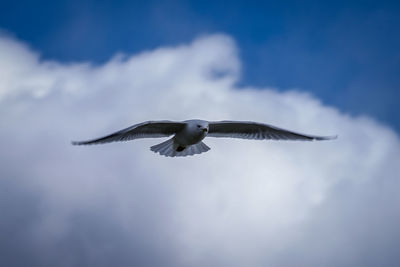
[244,203]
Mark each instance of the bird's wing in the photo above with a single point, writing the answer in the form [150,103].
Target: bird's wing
[147,129]
[254,130]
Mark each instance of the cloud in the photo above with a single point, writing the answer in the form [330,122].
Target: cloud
[244,203]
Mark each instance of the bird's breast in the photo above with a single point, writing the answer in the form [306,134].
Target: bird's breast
[187,137]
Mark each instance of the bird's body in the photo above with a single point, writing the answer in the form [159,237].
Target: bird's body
[193,132]
[188,135]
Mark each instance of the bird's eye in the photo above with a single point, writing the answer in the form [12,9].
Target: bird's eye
[198,126]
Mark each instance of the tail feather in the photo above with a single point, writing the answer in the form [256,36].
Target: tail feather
[194,149]
[165,148]
[168,149]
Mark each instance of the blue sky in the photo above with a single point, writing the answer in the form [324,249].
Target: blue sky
[344,52]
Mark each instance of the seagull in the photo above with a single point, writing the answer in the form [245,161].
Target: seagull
[188,135]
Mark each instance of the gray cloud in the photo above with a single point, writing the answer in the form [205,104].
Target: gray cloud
[244,203]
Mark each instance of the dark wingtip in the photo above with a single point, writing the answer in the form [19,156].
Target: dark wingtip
[332,137]
[76,143]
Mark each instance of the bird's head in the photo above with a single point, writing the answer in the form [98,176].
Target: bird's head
[199,125]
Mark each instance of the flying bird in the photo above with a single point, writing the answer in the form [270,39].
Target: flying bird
[188,135]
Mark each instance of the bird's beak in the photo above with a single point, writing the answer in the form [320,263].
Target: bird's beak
[205,130]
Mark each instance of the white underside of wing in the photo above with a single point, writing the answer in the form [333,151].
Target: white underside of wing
[255,136]
[149,129]
[257,131]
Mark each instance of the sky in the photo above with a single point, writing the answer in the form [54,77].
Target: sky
[343,52]
[79,70]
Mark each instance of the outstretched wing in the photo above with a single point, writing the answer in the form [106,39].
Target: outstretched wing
[147,129]
[259,131]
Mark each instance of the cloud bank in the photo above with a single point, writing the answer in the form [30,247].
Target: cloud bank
[244,203]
